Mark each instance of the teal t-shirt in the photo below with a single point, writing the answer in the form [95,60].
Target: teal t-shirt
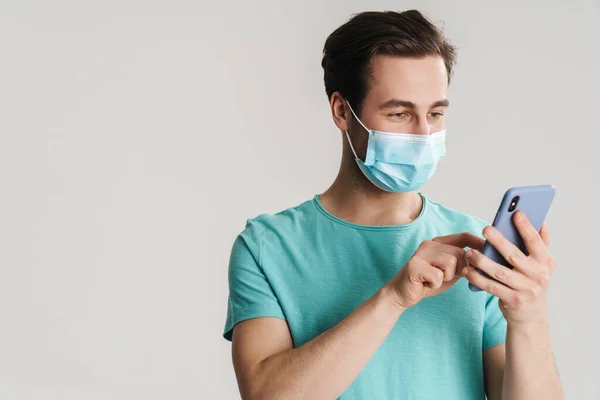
[312,269]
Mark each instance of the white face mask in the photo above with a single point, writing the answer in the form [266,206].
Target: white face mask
[400,162]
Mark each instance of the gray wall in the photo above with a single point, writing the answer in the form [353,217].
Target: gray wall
[137,137]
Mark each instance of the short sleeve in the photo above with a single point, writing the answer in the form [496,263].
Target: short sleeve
[250,294]
[494,325]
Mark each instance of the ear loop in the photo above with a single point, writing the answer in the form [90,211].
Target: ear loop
[359,121]
[346,132]
[350,143]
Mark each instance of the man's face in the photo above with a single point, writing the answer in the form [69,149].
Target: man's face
[404,95]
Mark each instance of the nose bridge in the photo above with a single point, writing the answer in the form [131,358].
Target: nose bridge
[422,127]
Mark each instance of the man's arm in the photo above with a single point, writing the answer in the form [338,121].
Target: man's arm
[494,361]
[524,368]
[530,371]
[268,367]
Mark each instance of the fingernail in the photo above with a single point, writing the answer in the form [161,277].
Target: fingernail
[488,232]
[465,271]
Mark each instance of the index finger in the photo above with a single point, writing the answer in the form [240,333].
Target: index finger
[462,240]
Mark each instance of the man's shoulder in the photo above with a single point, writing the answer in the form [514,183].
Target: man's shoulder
[287,220]
[453,217]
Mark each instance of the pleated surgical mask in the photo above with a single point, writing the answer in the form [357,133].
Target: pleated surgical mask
[400,162]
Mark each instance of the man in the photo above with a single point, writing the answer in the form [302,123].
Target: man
[357,293]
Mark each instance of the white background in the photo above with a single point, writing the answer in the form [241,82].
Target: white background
[136,138]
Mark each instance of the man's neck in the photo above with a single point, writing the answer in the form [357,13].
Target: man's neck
[354,199]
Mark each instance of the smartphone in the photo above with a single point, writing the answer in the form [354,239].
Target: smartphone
[535,202]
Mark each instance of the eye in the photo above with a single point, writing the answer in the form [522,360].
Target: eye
[436,115]
[399,115]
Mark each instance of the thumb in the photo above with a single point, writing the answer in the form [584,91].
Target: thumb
[452,281]
[431,275]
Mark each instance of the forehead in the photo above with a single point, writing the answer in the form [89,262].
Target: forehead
[420,80]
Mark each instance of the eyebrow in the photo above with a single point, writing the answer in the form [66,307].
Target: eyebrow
[409,104]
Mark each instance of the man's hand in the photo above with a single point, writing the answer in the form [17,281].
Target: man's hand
[434,268]
[522,290]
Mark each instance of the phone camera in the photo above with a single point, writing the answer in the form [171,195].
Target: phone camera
[513,204]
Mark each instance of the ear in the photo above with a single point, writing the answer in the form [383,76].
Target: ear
[340,112]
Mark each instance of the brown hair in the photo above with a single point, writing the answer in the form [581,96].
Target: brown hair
[350,48]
